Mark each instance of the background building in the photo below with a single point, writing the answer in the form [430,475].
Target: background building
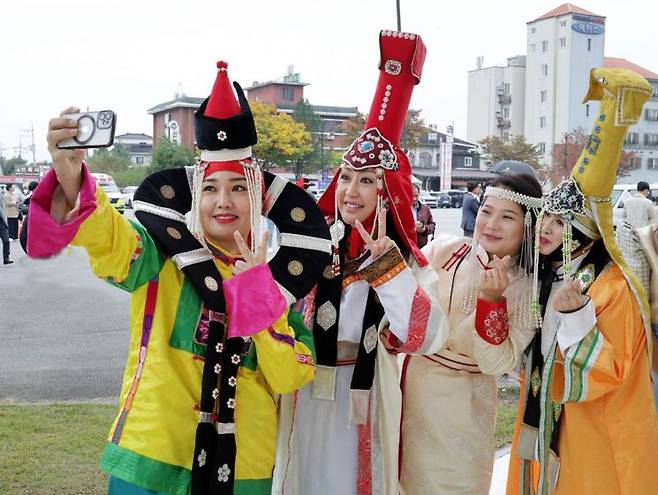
[175,119]
[540,95]
[138,146]
[496,100]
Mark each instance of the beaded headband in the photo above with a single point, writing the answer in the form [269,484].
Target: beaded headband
[529,202]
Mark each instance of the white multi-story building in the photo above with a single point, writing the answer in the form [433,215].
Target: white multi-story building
[496,100]
[562,46]
[540,95]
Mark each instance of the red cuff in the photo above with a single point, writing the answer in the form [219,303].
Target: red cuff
[491,321]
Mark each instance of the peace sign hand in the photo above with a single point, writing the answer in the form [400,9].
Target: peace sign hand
[250,259]
[494,281]
[383,243]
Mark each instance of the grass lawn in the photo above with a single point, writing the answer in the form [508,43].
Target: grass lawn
[55,449]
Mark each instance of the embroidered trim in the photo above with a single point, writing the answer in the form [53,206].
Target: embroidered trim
[382,265]
[225,155]
[281,337]
[191,257]
[273,193]
[160,211]
[149,311]
[491,321]
[138,249]
[305,242]
[420,315]
[225,428]
[388,276]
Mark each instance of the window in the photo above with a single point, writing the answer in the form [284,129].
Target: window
[506,136]
[633,138]
[651,113]
[544,46]
[563,23]
[543,69]
[542,148]
[652,163]
[532,30]
[506,112]
[533,48]
[655,91]
[468,161]
[589,44]
[167,118]
[139,160]
[543,96]
[506,88]
[542,122]
[651,139]
[432,136]
[587,110]
[287,93]
[563,42]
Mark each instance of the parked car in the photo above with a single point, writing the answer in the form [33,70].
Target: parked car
[106,182]
[128,193]
[443,200]
[427,198]
[457,197]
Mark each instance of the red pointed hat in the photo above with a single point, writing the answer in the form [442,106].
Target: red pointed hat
[402,56]
[222,103]
[224,125]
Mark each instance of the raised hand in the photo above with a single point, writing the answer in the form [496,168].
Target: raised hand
[494,281]
[569,298]
[383,243]
[250,259]
[67,163]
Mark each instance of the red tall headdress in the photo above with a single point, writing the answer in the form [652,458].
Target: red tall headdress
[402,56]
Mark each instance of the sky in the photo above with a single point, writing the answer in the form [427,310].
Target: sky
[129,56]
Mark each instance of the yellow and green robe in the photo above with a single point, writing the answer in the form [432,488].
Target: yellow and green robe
[151,442]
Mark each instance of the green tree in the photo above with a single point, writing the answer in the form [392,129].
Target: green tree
[281,140]
[131,177]
[354,126]
[110,161]
[517,148]
[309,162]
[414,129]
[170,155]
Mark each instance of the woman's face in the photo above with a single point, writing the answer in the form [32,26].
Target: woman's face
[550,234]
[224,208]
[356,194]
[499,226]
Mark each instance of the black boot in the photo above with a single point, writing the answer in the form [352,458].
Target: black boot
[7,261]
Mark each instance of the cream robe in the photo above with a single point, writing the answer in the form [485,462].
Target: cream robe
[450,398]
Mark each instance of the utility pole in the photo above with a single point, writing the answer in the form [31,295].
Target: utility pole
[397,5]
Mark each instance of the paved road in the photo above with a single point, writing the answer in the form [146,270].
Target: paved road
[63,332]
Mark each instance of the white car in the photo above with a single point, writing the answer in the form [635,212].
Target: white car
[428,199]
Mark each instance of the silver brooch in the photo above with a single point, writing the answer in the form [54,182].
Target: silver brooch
[393,67]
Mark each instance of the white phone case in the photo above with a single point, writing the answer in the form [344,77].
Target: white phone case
[95,130]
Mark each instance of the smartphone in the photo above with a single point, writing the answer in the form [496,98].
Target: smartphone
[95,130]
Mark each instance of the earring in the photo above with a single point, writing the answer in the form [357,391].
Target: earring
[575,244]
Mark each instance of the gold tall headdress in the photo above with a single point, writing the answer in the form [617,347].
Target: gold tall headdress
[583,200]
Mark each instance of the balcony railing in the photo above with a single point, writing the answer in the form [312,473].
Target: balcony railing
[504,123]
[504,99]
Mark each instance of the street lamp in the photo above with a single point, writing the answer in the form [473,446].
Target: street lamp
[324,122]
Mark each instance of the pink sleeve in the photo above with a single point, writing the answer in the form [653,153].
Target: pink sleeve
[253,301]
[45,236]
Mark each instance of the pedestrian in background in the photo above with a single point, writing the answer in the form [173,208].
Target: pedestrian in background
[424,221]
[638,210]
[4,230]
[470,208]
[11,211]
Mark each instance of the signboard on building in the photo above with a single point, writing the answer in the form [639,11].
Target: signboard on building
[28,171]
[588,25]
